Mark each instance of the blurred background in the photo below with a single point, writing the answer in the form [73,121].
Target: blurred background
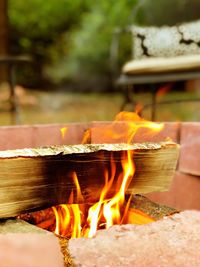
[67,75]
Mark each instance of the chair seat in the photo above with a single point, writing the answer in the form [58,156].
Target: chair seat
[162,65]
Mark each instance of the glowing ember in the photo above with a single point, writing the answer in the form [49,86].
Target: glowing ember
[75,220]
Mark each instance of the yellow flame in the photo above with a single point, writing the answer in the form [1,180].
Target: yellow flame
[112,208]
[62,219]
[108,210]
[63,132]
[78,188]
[76,229]
[57,229]
[93,218]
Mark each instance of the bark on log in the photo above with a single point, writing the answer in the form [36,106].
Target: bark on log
[38,178]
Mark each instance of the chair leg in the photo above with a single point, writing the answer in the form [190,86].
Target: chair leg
[13,98]
[153,101]
[129,97]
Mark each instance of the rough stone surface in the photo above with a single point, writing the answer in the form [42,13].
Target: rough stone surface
[29,250]
[45,135]
[173,241]
[183,193]
[100,133]
[27,136]
[14,137]
[19,226]
[25,245]
[190,147]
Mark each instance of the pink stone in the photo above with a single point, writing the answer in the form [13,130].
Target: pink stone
[29,250]
[189,161]
[14,137]
[170,130]
[173,241]
[183,193]
[26,136]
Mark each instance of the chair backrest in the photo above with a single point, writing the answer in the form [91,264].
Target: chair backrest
[166,41]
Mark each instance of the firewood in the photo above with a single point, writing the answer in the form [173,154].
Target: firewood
[152,209]
[38,178]
[46,218]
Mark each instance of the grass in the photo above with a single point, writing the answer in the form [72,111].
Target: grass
[37,107]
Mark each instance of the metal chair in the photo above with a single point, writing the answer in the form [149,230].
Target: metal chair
[12,62]
[153,70]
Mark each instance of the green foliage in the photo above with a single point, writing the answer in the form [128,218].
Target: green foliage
[43,19]
[71,39]
[36,25]
[89,44]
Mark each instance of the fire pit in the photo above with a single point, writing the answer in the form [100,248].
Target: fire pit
[95,205]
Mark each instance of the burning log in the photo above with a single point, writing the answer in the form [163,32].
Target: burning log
[139,204]
[38,178]
[44,219]
[173,241]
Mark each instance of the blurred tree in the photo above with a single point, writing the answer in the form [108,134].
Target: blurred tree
[87,63]
[3,27]
[3,36]
[37,24]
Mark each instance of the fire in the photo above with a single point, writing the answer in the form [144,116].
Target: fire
[123,129]
[164,89]
[77,220]
[63,132]
[70,219]
[86,137]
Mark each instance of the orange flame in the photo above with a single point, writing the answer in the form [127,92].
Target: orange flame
[123,129]
[164,90]
[138,108]
[75,220]
[68,220]
[78,188]
[86,137]
[106,211]
[63,132]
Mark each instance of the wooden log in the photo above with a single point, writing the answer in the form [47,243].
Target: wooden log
[152,209]
[38,178]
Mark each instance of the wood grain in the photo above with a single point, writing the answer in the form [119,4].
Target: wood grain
[34,179]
